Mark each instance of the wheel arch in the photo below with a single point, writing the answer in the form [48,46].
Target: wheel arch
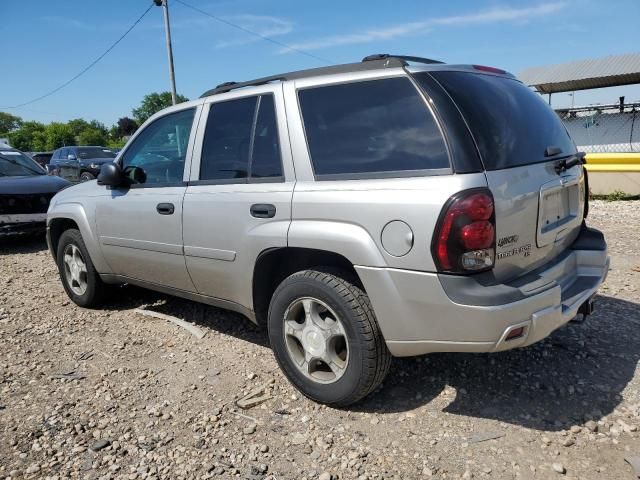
[73,215]
[275,264]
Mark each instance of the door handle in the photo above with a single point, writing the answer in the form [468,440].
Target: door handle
[263,210]
[165,208]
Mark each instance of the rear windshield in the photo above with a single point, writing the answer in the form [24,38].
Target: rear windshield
[511,124]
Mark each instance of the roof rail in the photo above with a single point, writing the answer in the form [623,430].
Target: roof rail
[406,58]
[372,62]
[226,84]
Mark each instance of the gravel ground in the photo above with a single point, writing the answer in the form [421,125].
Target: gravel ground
[112,394]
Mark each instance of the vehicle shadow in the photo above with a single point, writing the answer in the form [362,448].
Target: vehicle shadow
[23,244]
[575,375]
[129,297]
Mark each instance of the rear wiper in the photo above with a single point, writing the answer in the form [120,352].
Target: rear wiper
[572,161]
[552,151]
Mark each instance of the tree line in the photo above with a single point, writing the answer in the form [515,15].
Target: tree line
[32,136]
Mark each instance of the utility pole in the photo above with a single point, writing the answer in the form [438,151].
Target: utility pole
[167,29]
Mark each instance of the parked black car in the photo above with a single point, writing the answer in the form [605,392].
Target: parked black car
[79,164]
[25,193]
[42,158]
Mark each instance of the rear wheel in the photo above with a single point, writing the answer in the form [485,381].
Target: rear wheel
[326,339]
[79,277]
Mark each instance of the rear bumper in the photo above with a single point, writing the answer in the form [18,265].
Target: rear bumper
[422,312]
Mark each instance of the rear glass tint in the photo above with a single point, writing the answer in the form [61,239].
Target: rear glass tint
[371,128]
[511,124]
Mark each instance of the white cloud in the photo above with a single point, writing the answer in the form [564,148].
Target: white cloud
[494,15]
[265,26]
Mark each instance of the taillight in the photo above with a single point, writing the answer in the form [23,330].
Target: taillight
[465,237]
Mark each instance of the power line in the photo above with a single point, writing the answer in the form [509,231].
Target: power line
[256,34]
[88,67]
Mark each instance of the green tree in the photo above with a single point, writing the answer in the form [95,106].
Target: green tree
[29,137]
[152,103]
[39,141]
[78,125]
[88,133]
[116,143]
[9,123]
[92,136]
[127,126]
[58,135]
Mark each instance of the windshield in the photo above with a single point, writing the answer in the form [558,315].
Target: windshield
[17,164]
[87,153]
[511,124]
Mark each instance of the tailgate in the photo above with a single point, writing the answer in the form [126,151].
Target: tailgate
[538,215]
[521,141]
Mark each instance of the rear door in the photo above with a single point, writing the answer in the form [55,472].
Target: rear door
[521,140]
[238,202]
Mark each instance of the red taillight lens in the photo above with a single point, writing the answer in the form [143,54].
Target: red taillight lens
[465,235]
[479,206]
[477,235]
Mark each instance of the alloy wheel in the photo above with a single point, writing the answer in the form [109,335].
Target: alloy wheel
[316,340]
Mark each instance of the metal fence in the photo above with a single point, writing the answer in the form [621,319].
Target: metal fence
[604,128]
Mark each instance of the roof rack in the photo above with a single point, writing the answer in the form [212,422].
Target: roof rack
[406,58]
[372,62]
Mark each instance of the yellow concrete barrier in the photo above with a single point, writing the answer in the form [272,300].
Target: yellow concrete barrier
[613,162]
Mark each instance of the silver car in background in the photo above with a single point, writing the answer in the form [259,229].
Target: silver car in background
[393,207]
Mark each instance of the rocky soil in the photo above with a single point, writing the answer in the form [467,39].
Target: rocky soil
[113,394]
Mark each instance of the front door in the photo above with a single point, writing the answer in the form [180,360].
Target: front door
[140,227]
[66,167]
[238,202]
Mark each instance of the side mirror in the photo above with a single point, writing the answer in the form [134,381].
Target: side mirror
[71,156]
[110,175]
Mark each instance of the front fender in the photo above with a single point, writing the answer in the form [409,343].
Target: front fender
[76,212]
[351,241]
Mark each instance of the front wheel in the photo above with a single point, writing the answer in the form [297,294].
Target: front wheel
[86,176]
[326,339]
[79,277]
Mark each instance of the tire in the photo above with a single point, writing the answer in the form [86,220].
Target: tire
[367,359]
[86,176]
[91,295]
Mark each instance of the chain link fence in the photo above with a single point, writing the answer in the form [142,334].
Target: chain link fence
[604,128]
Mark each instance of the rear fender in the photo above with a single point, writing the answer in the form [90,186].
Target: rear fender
[351,241]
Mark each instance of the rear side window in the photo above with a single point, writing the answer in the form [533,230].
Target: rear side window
[241,141]
[511,124]
[371,129]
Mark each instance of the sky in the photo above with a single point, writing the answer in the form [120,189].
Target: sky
[48,42]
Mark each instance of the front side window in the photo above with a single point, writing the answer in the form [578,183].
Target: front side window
[241,141]
[371,128]
[157,155]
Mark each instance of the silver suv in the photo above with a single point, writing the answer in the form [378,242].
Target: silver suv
[393,207]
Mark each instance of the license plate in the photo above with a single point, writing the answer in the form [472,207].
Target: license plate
[559,202]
